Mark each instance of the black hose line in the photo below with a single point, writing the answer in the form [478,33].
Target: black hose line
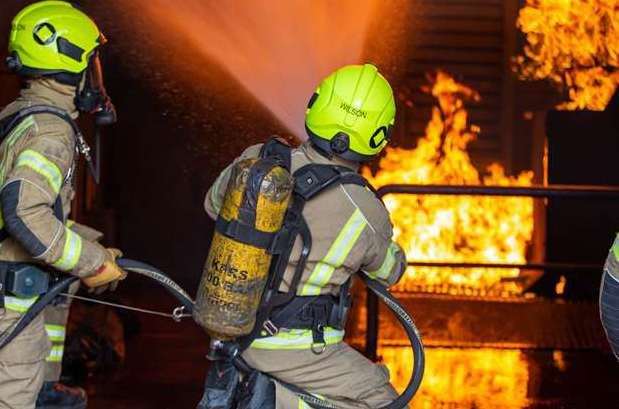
[159,276]
[413,335]
[63,284]
[36,308]
[173,288]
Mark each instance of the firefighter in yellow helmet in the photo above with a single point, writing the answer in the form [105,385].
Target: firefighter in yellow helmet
[53,47]
[349,121]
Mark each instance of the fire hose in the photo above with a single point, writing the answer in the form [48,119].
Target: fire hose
[186,308]
[62,285]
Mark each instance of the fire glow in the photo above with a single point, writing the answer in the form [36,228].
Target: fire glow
[455,228]
[464,377]
[575,45]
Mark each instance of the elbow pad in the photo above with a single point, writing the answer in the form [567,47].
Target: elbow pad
[13,223]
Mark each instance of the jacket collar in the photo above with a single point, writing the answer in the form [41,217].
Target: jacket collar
[316,157]
[46,91]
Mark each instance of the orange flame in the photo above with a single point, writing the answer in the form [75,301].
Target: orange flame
[575,45]
[477,378]
[454,228]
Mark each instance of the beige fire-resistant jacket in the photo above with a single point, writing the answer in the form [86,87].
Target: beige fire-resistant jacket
[351,231]
[350,228]
[37,160]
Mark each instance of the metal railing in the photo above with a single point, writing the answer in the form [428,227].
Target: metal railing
[549,192]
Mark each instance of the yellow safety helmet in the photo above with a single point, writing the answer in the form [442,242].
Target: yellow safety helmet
[351,114]
[52,38]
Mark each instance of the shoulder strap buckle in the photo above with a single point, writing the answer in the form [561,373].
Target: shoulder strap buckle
[313,178]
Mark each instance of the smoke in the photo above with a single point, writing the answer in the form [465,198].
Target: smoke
[277,49]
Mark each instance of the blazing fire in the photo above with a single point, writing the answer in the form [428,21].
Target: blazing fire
[575,45]
[477,378]
[455,228]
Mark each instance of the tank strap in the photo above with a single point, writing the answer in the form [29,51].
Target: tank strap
[244,233]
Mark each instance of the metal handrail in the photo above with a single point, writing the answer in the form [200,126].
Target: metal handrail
[564,191]
[550,191]
[525,266]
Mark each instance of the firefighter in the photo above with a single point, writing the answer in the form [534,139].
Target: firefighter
[348,121]
[53,47]
[609,298]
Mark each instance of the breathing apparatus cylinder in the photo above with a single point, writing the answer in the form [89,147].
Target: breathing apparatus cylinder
[238,264]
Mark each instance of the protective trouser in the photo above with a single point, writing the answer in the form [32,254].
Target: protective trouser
[56,317]
[339,374]
[609,298]
[22,362]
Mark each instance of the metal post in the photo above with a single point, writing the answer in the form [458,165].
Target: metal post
[371,335]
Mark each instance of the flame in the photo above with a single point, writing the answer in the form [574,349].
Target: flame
[477,378]
[454,228]
[574,44]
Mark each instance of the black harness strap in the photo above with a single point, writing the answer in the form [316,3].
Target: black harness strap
[312,179]
[244,233]
[10,122]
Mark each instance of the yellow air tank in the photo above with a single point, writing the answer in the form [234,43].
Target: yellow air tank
[236,272]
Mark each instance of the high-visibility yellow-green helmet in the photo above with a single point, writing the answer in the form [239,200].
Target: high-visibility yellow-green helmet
[52,37]
[351,114]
